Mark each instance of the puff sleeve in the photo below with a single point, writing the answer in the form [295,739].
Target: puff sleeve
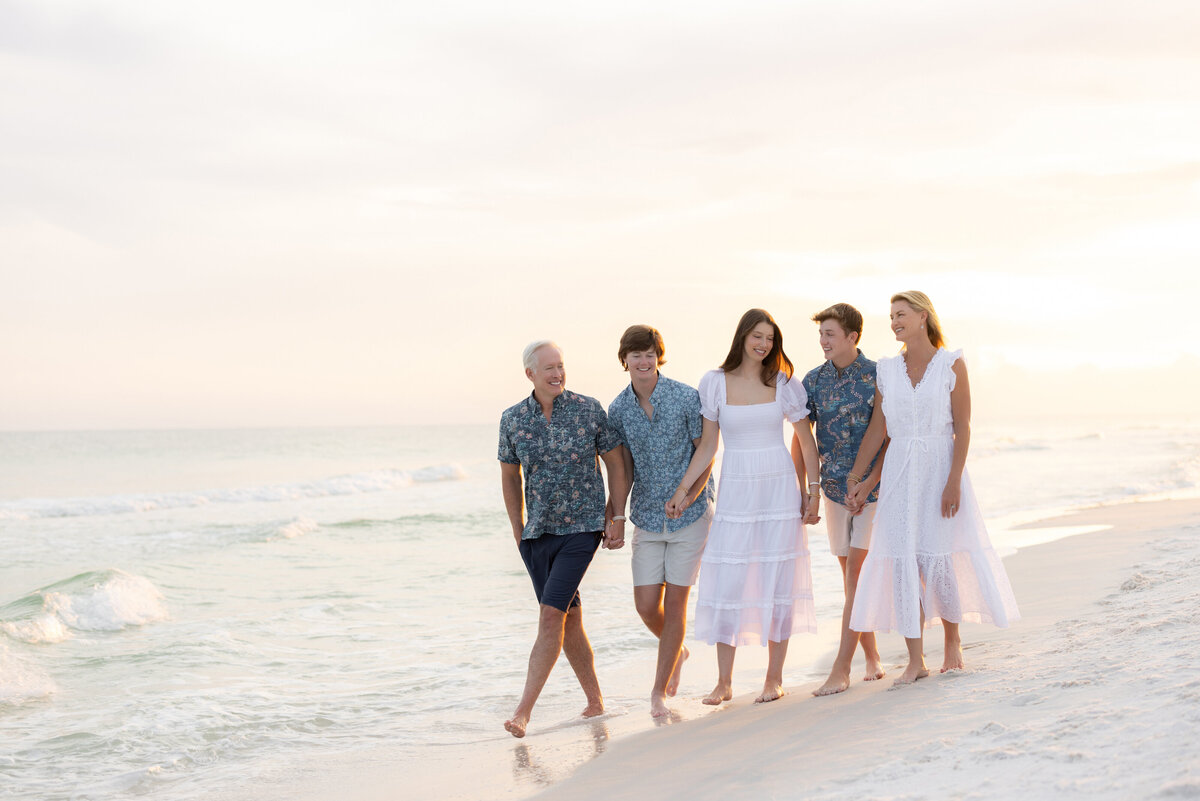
[712,388]
[792,398]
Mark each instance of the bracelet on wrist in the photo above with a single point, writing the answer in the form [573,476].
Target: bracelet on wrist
[618,517]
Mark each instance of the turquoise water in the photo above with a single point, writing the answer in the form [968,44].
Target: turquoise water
[182,609]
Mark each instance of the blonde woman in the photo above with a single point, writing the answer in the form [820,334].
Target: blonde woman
[930,560]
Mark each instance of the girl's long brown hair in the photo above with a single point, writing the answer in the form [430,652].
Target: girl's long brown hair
[774,362]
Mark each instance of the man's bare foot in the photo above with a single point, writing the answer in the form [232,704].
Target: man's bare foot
[658,706]
[594,708]
[516,726]
[910,675]
[673,682]
[771,692]
[720,693]
[838,682]
[875,670]
[954,658]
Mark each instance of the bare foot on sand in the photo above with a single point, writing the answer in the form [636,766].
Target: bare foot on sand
[658,706]
[720,693]
[673,682]
[771,692]
[838,682]
[516,726]
[954,659]
[593,708]
[875,670]
[910,675]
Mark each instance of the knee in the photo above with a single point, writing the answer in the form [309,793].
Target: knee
[648,601]
[647,609]
[551,618]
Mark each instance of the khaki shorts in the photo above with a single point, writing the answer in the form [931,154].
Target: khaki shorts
[846,530]
[673,557]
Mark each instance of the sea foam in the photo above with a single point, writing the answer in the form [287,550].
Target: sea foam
[20,681]
[296,528]
[45,628]
[350,484]
[106,600]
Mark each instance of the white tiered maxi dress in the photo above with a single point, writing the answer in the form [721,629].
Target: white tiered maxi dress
[755,575]
[919,559]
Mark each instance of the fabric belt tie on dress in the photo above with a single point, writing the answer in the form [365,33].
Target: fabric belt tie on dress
[910,444]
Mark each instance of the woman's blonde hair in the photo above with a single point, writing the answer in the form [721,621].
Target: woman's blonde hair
[921,303]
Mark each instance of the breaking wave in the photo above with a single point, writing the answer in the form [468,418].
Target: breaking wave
[104,600]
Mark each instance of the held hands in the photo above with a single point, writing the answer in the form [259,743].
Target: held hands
[614,535]
[856,495]
[614,530]
[810,503]
[951,496]
[811,511]
[676,504]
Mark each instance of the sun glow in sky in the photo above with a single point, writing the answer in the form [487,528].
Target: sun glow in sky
[266,213]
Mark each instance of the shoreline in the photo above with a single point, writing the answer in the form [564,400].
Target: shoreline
[1007,725]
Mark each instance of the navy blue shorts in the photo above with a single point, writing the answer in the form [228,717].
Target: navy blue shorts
[556,564]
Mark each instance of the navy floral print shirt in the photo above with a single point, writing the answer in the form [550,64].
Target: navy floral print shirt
[840,404]
[662,449]
[564,492]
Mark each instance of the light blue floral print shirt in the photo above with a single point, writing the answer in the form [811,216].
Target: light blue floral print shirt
[662,449]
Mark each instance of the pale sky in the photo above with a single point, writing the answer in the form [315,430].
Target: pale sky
[296,213]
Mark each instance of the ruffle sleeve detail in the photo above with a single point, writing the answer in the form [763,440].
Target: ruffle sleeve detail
[951,357]
[883,370]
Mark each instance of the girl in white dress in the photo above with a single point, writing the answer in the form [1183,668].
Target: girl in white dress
[755,576]
[930,560]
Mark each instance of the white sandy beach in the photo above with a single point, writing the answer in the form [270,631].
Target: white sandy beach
[1094,694]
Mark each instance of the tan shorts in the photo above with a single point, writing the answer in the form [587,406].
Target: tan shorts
[847,530]
[673,557]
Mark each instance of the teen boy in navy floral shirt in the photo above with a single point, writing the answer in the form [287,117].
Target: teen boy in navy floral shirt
[841,400]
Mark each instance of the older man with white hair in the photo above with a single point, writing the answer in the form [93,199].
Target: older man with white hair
[552,439]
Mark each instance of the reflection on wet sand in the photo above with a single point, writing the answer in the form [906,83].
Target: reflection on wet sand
[543,764]
[671,717]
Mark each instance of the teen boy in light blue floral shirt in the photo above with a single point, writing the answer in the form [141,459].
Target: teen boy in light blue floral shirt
[658,420]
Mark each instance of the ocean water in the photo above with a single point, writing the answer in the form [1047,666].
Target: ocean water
[184,611]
